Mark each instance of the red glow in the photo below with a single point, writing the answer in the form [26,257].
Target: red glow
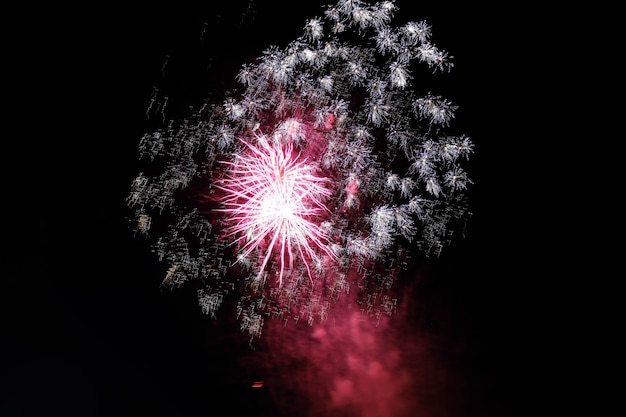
[353,365]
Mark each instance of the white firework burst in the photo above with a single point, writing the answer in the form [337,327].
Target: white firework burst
[323,173]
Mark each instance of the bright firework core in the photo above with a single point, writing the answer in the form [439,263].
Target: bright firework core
[272,199]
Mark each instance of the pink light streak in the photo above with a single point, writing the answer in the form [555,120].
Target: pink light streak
[274,201]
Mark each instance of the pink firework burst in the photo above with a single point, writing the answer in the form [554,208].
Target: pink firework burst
[274,202]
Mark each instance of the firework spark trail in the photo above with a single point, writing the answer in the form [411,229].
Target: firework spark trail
[321,176]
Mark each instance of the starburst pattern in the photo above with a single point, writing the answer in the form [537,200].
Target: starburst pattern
[271,198]
[322,176]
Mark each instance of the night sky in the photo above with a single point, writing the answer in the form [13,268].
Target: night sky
[88,329]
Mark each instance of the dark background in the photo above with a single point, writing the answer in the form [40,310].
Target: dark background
[87,328]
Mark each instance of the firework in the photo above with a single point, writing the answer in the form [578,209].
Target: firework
[320,176]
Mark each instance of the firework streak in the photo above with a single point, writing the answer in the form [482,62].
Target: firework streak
[318,178]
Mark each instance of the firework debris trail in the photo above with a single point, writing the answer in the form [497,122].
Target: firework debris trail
[317,179]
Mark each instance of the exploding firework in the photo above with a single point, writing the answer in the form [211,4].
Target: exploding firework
[319,177]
